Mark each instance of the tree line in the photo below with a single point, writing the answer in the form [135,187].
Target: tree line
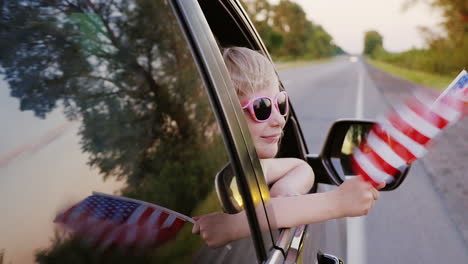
[445,54]
[287,33]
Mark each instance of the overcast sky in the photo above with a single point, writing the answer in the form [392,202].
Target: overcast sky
[347,20]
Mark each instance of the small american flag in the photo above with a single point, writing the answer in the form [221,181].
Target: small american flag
[104,220]
[404,133]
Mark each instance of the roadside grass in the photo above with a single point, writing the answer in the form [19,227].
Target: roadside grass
[286,65]
[431,80]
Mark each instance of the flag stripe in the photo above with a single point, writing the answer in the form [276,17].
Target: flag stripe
[113,235]
[169,221]
[406,129]
[135,217]
[385,152]
[416,122]
[375,173]
[445,111]
[405,143]
[375,159]
[360,171]
[397,141]
[131,234]
[451,101]
[102,229]
[154,218]
[161,219]
[427,114]
[146,216]
[122,235]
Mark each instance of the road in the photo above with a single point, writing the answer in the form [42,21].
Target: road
[409,225]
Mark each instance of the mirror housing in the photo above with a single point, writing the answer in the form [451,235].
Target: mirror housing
[227,190]
[333,165]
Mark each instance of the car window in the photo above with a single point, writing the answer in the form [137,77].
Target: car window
[102,96]
[235,31]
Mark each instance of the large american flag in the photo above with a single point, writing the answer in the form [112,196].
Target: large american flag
[103,220]
[405,132]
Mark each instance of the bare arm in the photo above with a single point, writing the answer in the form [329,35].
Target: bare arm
[290,176]
[353,198]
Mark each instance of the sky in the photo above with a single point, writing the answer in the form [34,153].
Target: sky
[347,21]
[31,184]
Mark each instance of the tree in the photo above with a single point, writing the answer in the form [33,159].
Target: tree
[261,14]
[287,32]
[373,41]
[290,20]
[455,13]
[444,54]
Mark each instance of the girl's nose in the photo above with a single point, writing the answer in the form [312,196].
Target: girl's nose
[277,119]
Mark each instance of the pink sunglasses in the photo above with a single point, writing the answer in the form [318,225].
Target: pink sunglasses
[260,108]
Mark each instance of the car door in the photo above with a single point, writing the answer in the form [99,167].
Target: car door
[122,97]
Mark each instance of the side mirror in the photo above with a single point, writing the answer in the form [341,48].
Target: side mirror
[335,159]
[324,258]
[227,190]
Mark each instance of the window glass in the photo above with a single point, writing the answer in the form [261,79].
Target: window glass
[101,96]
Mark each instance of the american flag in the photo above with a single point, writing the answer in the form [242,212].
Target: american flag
[104,220]
[404,133]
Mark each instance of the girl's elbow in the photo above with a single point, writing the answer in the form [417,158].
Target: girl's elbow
[310,176]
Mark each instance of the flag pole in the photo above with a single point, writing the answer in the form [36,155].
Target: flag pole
[449,89]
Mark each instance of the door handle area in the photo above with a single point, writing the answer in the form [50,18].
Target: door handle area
[324,258]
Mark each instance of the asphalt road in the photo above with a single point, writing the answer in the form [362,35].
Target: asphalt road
[412,224]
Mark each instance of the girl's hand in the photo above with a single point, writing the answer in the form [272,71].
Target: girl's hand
[216,229]
[355,197]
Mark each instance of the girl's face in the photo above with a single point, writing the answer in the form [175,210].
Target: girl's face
[265,135]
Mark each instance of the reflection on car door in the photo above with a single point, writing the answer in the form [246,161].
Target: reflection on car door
[103,96]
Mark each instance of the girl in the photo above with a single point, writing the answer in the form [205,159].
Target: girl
[266,109]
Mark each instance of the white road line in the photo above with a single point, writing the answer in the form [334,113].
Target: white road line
[356,242]
[360,94]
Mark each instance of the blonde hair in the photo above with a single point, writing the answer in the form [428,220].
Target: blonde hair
[250,71]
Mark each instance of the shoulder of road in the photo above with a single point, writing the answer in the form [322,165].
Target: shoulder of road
[446,162]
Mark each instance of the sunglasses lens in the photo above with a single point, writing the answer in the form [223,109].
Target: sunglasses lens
[282,103]
[262,108]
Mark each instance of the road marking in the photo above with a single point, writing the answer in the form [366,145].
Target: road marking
[355,238]
[360,94]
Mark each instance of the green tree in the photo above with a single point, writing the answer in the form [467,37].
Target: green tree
[444,53]
[287,32]
[261,14]
[455,15]
[373,41]
[290,20]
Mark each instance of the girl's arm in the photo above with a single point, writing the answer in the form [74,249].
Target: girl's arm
[290,176]
[354,197]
